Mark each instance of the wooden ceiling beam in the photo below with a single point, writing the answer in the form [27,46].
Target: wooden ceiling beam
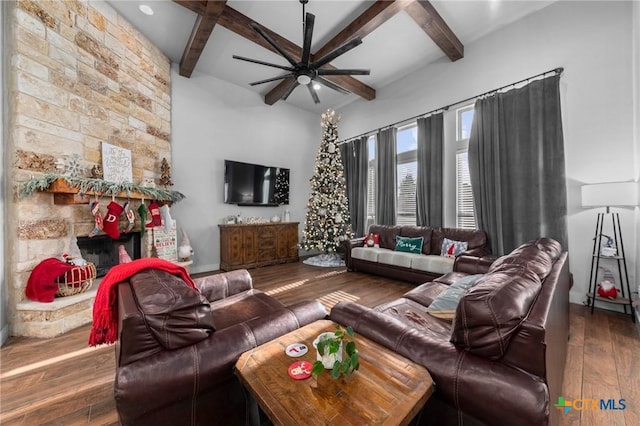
[377,14]
[426,16]
[198,7]
[200,34]
[240,24]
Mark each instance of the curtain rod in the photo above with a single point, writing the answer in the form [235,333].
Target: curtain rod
[558,70]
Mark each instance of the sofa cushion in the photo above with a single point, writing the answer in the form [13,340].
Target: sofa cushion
[397,258]
[419,231]
[474,238]
[528,256]
[426,293]
[433,263]
[452,248]
[444,306]
[491,311]
[175,314]
[368,253]
[388,234]
[408,244]
[242,307]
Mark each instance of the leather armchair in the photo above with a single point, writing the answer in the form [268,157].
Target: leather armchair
[177,347]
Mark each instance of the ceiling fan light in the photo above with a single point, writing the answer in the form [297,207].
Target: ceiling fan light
[303,79]
[317,86]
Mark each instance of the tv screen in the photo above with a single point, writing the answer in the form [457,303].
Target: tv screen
[255,185]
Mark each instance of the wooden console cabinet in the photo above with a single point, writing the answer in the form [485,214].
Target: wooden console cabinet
[246,246]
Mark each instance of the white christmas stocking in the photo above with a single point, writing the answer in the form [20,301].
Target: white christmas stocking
[166,218]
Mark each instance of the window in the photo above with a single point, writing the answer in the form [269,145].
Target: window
[407,167]
[371,182]
[465,209]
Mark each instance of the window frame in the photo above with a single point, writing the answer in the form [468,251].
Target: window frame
[462,219]
[403,158]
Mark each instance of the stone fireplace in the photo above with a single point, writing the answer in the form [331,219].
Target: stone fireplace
[103,251]
[81,75]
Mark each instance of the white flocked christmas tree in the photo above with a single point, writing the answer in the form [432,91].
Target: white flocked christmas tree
[327,221]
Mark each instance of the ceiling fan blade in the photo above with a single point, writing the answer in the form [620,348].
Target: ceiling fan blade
[293,84]
[334,54]
[343,72]
[332,85]
[256,61]
[308,33]
[272,42]
[314,95]
[280,77]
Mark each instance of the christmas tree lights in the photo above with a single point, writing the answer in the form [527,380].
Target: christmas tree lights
[327,221]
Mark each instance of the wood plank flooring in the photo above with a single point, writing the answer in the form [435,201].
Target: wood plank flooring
[61,381]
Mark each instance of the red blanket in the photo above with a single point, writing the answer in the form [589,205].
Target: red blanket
[105,306]
[42,285]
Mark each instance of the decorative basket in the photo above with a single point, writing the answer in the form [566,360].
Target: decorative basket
[77,280]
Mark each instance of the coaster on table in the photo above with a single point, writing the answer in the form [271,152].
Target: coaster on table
[296,349]
[300,370]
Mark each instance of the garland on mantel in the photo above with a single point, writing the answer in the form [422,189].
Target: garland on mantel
[98,186]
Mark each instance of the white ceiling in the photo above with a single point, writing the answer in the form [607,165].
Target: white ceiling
[395,49]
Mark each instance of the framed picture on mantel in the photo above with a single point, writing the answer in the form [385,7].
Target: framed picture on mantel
[116,164]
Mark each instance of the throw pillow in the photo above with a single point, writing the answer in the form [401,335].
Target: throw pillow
[372,240]
[444,306]
[452,248]
[409,245]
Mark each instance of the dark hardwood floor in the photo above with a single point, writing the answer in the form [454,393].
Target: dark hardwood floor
[61,381]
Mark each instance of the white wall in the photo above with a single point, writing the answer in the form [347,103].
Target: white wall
[212,121]
[592,41]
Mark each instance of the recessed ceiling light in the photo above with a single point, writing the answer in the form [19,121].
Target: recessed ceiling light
[317,86]
[146,9]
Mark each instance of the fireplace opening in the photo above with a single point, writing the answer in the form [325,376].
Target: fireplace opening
[102,250]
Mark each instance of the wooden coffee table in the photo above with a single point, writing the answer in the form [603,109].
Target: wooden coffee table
[388,389]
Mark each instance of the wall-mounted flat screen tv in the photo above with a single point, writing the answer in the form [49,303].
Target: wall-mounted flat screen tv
[249,184]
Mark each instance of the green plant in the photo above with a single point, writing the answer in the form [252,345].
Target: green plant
[331,344]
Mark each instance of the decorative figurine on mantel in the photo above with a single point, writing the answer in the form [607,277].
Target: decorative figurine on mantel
[165,173]
[96,172]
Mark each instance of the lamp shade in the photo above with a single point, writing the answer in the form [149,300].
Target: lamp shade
[611,194]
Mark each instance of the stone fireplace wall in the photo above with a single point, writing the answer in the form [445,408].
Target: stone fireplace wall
[80,75]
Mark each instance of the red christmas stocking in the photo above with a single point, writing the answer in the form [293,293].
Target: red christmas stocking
[111,219]
[156,219]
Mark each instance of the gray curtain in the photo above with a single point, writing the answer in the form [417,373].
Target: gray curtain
[516,165]
[386,177]
[429,181]
[354,159]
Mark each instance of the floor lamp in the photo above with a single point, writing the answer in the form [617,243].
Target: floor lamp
[616,194]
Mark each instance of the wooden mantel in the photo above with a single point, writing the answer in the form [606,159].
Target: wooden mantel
[74,190]
[65,194]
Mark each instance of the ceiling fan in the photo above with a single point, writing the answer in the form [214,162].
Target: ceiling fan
[305,71]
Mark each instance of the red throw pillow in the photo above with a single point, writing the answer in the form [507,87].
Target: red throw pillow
[372,240]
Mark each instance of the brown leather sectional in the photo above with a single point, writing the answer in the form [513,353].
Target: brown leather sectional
[501,360]
[177,347]
[418,269]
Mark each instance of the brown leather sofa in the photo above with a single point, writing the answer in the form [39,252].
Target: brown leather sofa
[414,268]
[501,360]
[177,348]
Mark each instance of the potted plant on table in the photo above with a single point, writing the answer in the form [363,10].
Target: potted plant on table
[334,354]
